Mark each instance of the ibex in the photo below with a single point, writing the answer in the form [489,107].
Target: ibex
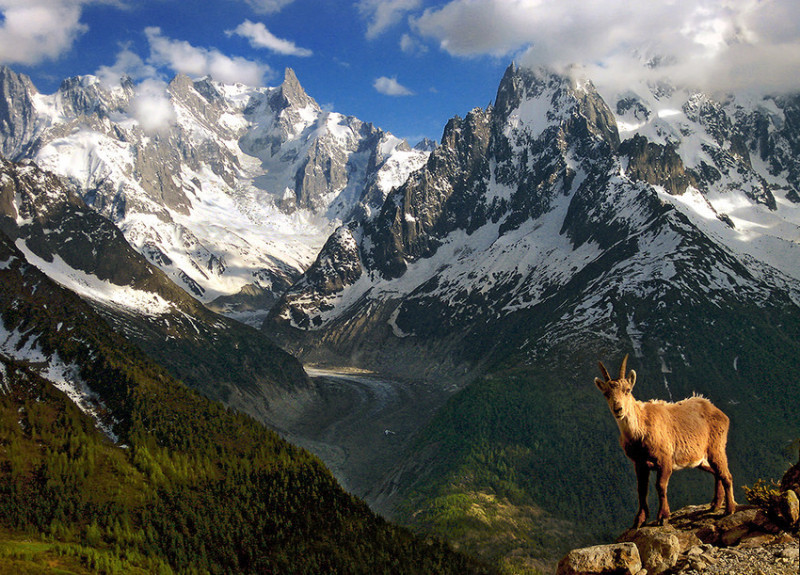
[668,436]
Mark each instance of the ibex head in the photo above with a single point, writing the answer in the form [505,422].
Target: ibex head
[617,391]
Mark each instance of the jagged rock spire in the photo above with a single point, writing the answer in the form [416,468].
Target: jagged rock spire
[291,93]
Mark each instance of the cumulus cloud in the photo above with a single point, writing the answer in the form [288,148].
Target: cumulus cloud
[180,56]
[32,31]
[391,87]
[151,106]
[713,44]
[382,14]
[260,37]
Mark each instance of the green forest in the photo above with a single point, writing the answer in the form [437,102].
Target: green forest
[194,489]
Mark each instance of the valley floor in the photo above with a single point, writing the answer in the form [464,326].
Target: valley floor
[360,424]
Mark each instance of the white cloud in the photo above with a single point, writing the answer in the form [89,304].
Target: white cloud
[411,45]
[182,57]
[715,44]
[128,64]
[382,14]
[391,87]
[151,106]
[268,6]
[260,37]
[32,31]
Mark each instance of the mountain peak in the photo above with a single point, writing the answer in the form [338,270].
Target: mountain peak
[291,93]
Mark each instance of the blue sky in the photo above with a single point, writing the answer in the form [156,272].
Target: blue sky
[338,58]
[405,65]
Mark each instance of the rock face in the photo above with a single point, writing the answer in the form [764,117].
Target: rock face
[17,117]
[232,193]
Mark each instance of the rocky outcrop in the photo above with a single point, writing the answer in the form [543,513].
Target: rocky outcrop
[655,164]
[17,117]
[699,540]
[758,539]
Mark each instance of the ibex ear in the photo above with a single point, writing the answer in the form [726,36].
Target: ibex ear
[601,384]
[632,378]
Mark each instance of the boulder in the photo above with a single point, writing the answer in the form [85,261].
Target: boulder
[789,508]
[618,559]
[733,527]
[791,479]
[659,547]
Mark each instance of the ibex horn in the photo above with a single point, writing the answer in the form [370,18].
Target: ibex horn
[604,371]
[624,365]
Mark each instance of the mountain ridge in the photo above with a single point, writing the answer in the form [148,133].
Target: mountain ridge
[168,162]
[84,252]
[495,172]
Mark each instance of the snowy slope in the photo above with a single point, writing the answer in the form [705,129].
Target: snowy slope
[223,187]
[52,232]
[739,181]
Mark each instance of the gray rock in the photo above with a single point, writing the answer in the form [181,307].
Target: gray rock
[659,547]
[619,558]
[789,553]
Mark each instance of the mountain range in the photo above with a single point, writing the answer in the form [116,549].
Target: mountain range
[672,198]
[230,190]
[563,224]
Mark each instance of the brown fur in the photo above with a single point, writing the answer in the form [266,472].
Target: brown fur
[668,436]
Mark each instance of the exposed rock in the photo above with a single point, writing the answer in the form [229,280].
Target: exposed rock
[699,540]
[17,116]
[733,527]
[619,558]
[660,547]
[656,164]
[791,479]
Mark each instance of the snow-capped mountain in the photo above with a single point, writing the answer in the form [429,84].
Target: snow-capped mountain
[230,190]
[564,208]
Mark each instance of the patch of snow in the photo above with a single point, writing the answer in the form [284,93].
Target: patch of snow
[67,379]
[5,264]
[5,383]
[770,237]
[101,291]
[64,377]
[393,324]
